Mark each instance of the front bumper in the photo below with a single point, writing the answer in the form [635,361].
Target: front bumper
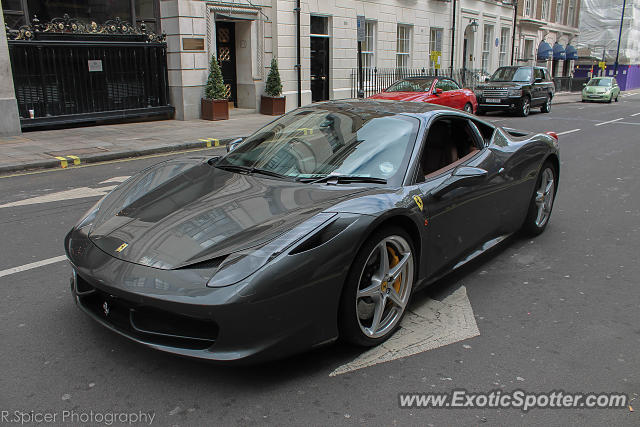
[596,96]
[289,306]
[509,103]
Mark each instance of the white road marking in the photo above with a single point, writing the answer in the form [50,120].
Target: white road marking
[32,265]
[568,131]
[636,114]
[75,193]
[610,121]
[424,327]
[116,179]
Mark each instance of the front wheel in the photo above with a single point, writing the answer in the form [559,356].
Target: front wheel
[546,107]
[525,108]
[480,112]
[378,288]
[541,201]
[617,97]
[468,108]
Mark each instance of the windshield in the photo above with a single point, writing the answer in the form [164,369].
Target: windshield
[411,85]
[512,74]
[599,82]
[318,141]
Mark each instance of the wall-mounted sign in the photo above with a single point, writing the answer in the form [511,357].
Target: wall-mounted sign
[94,65]
[497,41]
[435,56]
[192,43]
[361,28]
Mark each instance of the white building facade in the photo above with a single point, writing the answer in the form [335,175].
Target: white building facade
[245,35]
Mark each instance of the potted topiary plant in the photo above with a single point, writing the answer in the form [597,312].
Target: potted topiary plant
[215,105]
[273,103]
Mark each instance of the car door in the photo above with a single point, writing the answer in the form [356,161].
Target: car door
[458,98]
[539,91]
[616,89]
[439,98]
[460,220]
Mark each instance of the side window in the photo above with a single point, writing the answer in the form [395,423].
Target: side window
[442,84]
[453,85]
[538,73]
[486,131]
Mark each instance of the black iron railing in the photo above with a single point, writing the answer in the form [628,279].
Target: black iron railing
[87,73]
[377,79]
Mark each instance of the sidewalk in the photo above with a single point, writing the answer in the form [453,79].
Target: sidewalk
[62,147]
[66,147]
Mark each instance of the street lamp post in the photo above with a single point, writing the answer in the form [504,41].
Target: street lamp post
[615,66]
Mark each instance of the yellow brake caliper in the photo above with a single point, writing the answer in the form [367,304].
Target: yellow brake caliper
[393,261]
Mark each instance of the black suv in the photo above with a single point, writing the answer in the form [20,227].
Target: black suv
[516,89]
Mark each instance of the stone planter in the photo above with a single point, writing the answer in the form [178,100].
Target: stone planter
[215,109]
[271,106]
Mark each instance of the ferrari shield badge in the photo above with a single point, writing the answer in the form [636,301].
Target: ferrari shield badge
[418,201]
[122,247]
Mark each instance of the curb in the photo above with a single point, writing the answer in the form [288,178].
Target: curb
[113,155]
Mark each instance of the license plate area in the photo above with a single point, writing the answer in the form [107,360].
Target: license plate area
[493,100]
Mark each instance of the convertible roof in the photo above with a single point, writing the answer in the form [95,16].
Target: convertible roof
[381,106]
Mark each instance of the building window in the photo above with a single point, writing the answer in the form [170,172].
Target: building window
[403,46]
[545,10]
[319,25]
[504,44]
[487,36]
[369,45]
[528,50]
[559,11]
[435,44]
[528,8]
[571,13]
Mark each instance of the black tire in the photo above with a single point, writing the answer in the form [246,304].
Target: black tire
[531,225]
[525,107]
[349,320]
[480,112]
[468,108]
[617,97]
[546,107]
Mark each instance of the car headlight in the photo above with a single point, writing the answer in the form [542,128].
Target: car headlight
[90,215]
[514,92]
[241,265]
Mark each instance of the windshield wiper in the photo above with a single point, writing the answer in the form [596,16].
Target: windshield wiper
[343,179]
[252,170]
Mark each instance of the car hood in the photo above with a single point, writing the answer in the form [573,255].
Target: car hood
[181,213]
[401,96]
[506,85]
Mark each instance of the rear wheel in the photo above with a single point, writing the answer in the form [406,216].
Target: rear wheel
[546,107]
[542,200]
[378,288]
[468,108]
[525,108]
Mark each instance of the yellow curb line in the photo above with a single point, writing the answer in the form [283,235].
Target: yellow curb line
[208,141]
[63,162]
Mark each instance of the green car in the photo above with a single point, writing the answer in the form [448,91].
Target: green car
[601,89]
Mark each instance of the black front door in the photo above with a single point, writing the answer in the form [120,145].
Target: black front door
[319,68]
[226,48]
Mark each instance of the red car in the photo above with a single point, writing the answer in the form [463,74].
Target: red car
[432,89]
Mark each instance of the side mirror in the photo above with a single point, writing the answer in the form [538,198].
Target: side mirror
[233,144]
[538,80]
[486,79]
[438,91]
[463,176]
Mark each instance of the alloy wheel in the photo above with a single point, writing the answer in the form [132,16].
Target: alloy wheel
[526,106]
[544,197]
[468,108]
[385,286]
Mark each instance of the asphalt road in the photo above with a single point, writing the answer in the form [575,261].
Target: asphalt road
[561,312]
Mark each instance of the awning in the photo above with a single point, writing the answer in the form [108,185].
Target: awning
[544,50]
[235,16]
[559,52]
[572,52]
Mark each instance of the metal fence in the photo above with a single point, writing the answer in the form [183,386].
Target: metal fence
[72,81]
[569,84]
[377,79]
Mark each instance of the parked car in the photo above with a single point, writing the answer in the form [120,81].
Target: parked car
[601,89]
[431,89]
[299,236]
[516,89]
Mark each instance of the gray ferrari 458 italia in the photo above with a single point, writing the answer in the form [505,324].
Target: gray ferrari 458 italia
[318,226]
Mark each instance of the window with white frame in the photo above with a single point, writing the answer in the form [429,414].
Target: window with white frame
[504,44]
[559,10]
[546,7]
[487,36]
[571,13]
[369,45]
[528,8]
[435,44]
[403,46]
